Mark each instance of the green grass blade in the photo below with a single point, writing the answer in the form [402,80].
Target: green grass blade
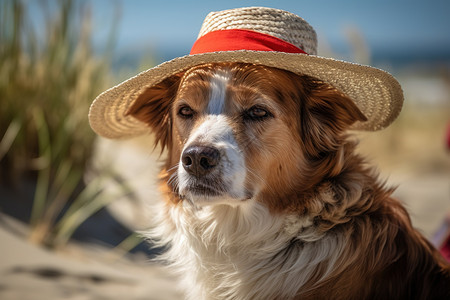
[43,180]
[10,135]
[92,199]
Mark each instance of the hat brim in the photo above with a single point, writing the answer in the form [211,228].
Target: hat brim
[377,93]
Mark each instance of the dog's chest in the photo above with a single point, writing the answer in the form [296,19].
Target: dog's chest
[227,256]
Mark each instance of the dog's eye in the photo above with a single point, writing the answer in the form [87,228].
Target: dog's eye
[256,113]
[186,112]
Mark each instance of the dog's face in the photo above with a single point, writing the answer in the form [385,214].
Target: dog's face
[236,132]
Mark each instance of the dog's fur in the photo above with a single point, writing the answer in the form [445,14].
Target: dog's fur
[286,210]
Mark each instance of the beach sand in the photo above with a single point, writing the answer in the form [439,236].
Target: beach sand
[76,272]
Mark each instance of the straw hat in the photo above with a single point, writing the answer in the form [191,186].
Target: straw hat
[257,35]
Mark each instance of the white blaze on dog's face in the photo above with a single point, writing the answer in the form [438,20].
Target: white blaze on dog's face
[212,167]
[233,135]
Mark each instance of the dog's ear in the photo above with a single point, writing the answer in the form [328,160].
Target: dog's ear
[326,113]
[153,108]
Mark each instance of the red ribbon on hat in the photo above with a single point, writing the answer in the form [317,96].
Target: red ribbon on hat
[241,39]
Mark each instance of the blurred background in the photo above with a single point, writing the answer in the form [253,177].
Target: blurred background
[70,201]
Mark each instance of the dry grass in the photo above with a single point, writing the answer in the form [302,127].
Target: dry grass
[47,83]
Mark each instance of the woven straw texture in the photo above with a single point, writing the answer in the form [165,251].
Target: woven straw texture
[278,23]
[377,94]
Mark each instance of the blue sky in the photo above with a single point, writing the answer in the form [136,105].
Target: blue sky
[386,25]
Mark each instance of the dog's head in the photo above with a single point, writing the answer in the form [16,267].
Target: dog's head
[240,131]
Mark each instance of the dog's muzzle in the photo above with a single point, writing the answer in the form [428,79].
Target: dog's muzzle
[211,167]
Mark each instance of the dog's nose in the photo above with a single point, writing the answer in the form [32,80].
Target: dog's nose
[200,160]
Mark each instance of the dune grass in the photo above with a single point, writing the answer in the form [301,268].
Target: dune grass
[48,78]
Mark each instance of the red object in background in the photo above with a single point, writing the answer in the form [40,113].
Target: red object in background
[445,248]
[448,136]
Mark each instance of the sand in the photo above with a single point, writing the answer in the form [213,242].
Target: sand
[77,272]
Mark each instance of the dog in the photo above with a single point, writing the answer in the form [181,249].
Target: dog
[265,197]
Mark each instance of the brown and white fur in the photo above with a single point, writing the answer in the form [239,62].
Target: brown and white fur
[265,197]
